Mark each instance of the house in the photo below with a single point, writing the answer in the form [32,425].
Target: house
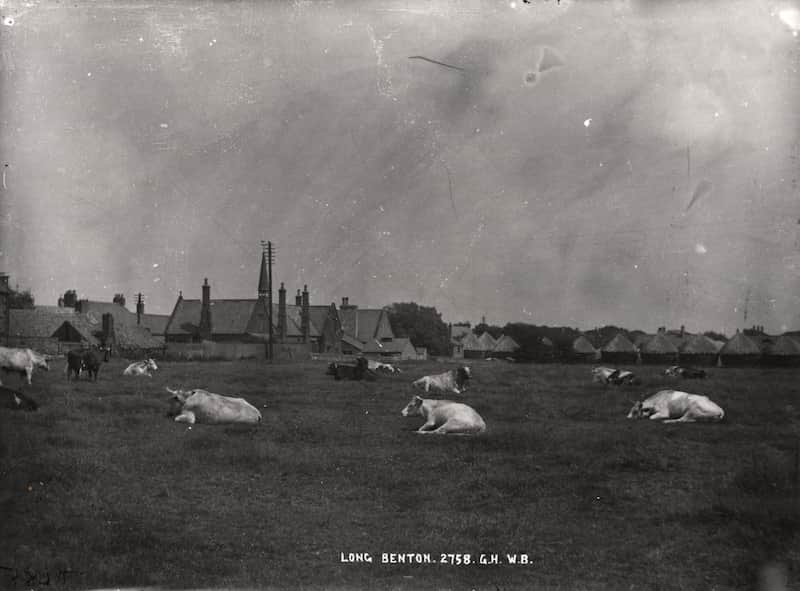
[50,329]
[619,350]
[397,349]
[783,351]
[739,351]
[583,350]
[5,294]
[504,347]
[699,350]
[659,349]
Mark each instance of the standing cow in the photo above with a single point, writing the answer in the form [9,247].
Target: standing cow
[80,361]
[22,361]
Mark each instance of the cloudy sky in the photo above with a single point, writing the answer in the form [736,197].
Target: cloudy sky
[576,163]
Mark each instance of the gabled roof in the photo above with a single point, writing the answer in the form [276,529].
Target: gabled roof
[470,343]
[185,318]
[659,345]
[619,344]
[353,342]
[136,337]
[487,341]
[46,321]
[505,344]
[155,323]
[740,344]
[318,316]
[397,345]
[641,339]
[362,323]
[699,344]
[783,345]
[582,345]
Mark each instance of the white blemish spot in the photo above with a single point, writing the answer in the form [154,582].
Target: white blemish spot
[141,39]
[587,122]
[636,266]
[155,265]
[89,74]
[157,279]
[716,115]
[164,125]
[8,21]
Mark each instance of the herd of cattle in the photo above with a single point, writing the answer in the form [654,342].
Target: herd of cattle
[441,416]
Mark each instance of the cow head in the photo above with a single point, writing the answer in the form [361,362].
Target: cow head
[671,371]
[413,407]
[151,365]
[638,411]
[176,400]
[39,360]
[462,375]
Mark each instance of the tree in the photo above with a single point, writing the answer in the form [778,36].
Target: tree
[422,324]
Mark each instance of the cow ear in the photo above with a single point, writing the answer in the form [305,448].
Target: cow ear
[417,398]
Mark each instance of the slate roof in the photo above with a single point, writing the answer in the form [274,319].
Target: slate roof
[394,346]
[45,321]
[361,323]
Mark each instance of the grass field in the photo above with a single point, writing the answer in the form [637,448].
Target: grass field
[100,488]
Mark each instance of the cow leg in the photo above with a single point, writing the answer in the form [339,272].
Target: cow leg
[684,419]
[186,416]
[659,416]
[29,373]
[426,428]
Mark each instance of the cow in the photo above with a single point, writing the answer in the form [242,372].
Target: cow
[673,406]
[141,368]
[445,416]
[201,406]
[454,381]
[91,363]
[384,367]
[74,364]
[22,361]
[15,400]
[359,371]
[608,375]
[689,373]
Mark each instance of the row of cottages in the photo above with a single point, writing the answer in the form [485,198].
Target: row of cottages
[466,344]
[298,330]
[749,348]
[77,323]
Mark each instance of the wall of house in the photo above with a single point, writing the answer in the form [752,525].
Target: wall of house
[48,345]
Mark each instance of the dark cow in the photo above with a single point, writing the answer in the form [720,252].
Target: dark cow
[16,400]
[359,371]
[689,373]
[78,361]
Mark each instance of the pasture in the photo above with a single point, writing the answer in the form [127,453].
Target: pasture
[100,488]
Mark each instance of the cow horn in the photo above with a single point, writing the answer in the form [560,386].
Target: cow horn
[171,391]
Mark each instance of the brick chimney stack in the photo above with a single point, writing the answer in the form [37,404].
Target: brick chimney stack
[305,323]
[205,312]
[298,299]
[139,308]
[282,313]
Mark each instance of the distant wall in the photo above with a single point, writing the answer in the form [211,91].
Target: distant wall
[213,350]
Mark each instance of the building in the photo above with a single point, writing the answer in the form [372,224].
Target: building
[699,350]
[739,351]
[583,350]
[659,349]
[5,294]
[504,347]
[619,350]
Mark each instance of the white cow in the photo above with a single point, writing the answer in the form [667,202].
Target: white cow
[22,361]
[379,366]
[444,416]
[673,406]
[454,381]
[141,368]
[609,375]
[201,406]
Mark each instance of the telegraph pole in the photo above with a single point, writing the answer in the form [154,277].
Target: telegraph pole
[269,254]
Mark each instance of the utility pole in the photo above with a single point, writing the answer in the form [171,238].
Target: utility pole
[269,254]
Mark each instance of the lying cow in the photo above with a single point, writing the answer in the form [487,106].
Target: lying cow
[22,361]
[384,367]
[141,368]
[609,375]
[454,381]
[444,416]
[201,406]
[689,373]
[16,400]
[343,371]
[672,406]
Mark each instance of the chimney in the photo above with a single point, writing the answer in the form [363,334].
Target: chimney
[282,313]
[4,282]
[304,319]
[70,298]
[119,299]
[345,301]
[298,299]
[108,327]
[346,305]
[683,330]
[205,312]
[139,308]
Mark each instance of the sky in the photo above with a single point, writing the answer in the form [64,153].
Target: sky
[564,163]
